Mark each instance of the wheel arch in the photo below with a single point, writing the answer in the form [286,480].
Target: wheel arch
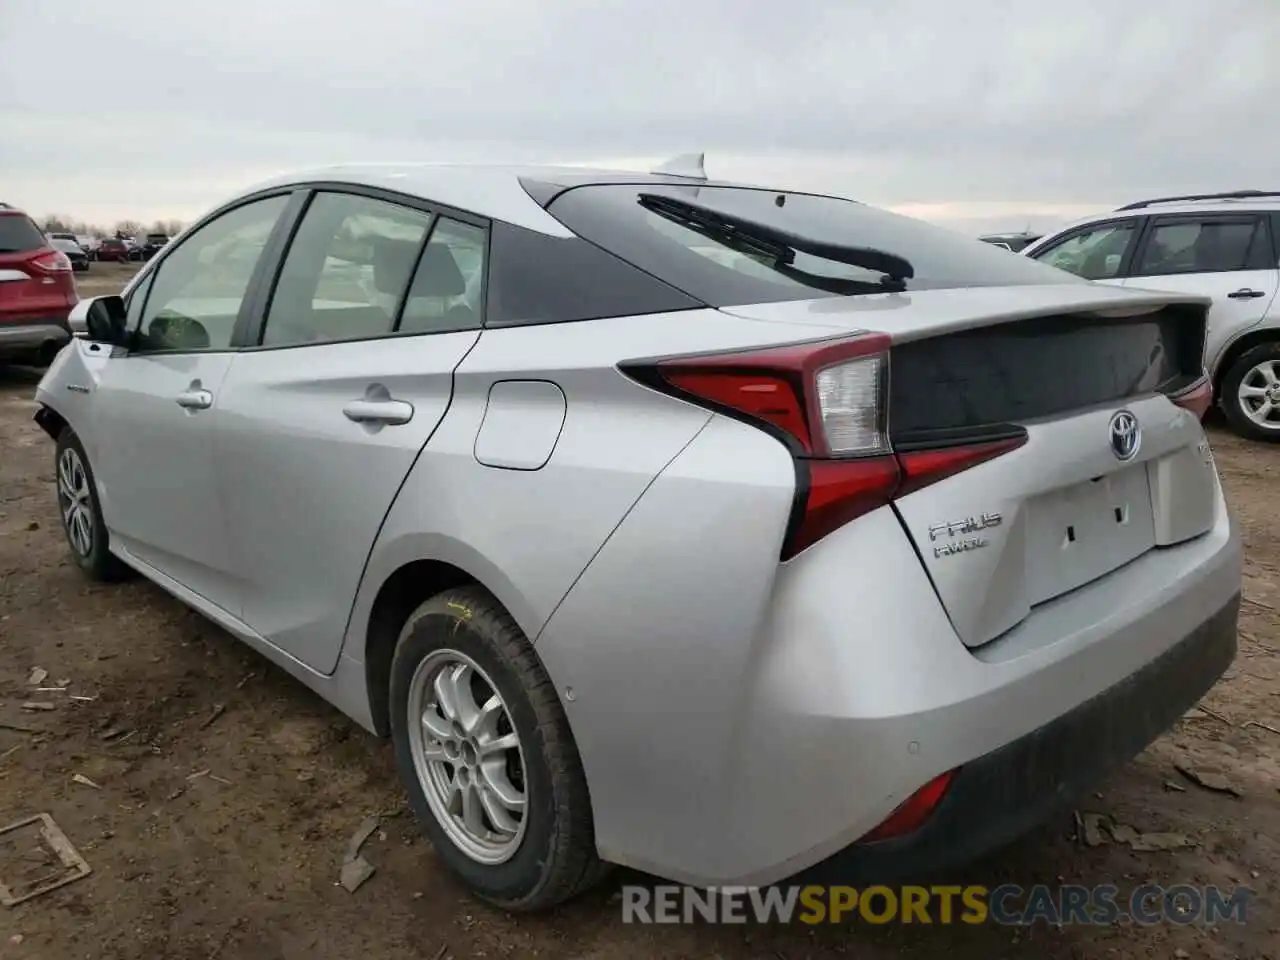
[1237,348]
[400,594]
[404,589]
[51,421]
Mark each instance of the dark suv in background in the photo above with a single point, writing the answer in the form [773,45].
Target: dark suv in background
[37,291]
[152,244]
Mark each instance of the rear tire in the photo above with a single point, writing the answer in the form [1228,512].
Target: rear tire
[1251,372]
[81,513]
[516,757]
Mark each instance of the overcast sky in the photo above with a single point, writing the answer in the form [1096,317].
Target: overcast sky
[980,114]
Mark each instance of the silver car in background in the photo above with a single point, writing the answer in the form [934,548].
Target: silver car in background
[719,531]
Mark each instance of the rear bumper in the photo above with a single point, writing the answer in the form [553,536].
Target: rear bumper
[1005,793]
[26,337]
[856,727]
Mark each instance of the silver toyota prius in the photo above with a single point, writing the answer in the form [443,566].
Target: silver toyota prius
[724,532]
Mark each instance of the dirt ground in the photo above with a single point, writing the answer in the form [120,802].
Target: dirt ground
[222,794]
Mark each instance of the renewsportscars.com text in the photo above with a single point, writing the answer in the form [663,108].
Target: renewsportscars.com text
[1008,904]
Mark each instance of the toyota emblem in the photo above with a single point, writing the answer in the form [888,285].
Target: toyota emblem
[1126,435]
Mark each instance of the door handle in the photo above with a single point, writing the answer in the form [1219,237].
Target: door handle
[195,399]
[392,412]
[1244,293]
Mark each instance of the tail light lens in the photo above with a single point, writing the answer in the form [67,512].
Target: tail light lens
[826,400]
[51,262]
[1197,398]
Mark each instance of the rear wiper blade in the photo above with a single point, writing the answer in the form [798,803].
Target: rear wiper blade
[782,245]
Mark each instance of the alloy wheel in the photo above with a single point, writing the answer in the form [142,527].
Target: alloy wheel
[1259,395]
[468,756]
[75,501]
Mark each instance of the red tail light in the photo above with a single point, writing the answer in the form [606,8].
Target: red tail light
[911,814]
[50,262]
[826,400]
[1197,398]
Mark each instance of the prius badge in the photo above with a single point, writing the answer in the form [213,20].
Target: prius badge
[968,526]
[1126,435]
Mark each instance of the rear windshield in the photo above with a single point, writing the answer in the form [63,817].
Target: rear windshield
[157,238]
[66,246]
[720,273]
[18,234]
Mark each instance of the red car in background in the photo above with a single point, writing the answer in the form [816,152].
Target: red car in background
[37,291]
[113,248]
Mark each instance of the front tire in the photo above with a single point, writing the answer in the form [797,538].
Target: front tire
[1250,396]
[485,752]
[81,513]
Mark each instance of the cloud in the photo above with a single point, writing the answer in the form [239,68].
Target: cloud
[983,112]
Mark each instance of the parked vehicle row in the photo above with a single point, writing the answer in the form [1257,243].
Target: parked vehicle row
[1225,246]
[717,531]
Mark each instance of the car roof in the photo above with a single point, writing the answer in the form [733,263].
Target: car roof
[1205,206]
[1151,208]
[515,194]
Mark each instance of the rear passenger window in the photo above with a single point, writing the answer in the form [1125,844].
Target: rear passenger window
[1204,246]
[448,285]
[346,272]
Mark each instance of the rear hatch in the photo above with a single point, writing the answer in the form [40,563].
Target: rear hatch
[1110,468]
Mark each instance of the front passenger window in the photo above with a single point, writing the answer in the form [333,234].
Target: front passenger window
[198,288]
[1095,253]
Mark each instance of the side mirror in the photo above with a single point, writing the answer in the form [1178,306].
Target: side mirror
[102,319]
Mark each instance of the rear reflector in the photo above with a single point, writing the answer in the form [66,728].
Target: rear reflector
[826,400]
[912,813]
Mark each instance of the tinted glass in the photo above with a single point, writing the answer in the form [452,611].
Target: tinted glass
[1206,246]
[18,234]
[1095,253]
[448,285]
[719,274]
[346,271]
[200,285]
[536,278]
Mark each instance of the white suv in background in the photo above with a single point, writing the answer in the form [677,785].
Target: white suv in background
[1223,245]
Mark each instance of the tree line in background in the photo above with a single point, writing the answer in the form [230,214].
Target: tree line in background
[122,228]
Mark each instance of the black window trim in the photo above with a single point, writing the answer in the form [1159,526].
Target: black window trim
[1139,233]
[1209,216]
[157,263]
[248,339]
